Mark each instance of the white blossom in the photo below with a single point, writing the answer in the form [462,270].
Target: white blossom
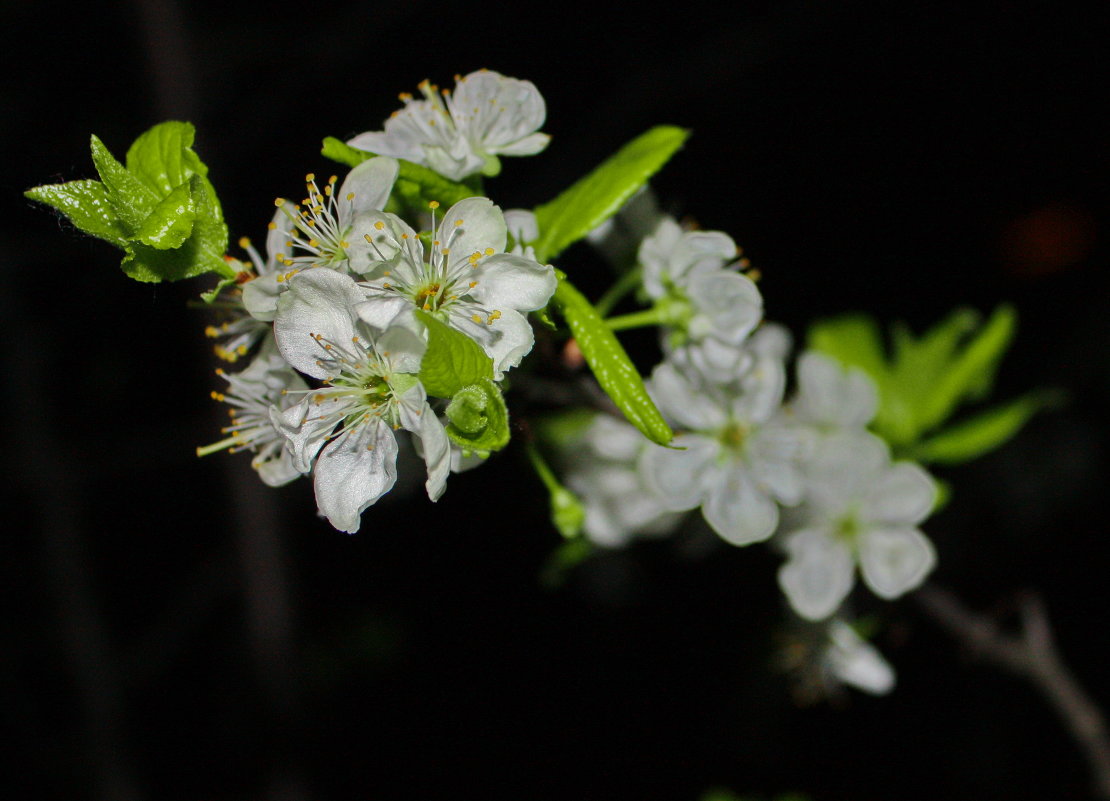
[328,227]
[344,431]
[710,308]
[463,277]
[860,509]
[264,384]
[462,133]
[604,474]
[734,456]
[831,397]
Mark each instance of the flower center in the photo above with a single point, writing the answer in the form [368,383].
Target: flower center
[316,226]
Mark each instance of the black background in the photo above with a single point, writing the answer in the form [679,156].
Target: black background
[172,629]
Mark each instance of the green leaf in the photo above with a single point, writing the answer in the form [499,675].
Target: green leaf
[452,361]
[163,159]
[615,372]
[415,183]
[340,151]
[982,433]
[478,418]
[600,194]
[171,222]
[969,374]
[201,253]
[852,339]
[85,204]
[130,198]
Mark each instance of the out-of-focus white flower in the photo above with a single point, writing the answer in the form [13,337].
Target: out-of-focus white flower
[709,307]
[264,384]
[852,660]
[831,397]
[737,457]
[343,431]
[860,508]
[462,133]
[463,277]
[604,474]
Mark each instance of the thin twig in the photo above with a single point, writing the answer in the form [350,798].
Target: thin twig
[1031,653]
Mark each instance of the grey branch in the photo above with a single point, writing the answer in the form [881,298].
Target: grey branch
[1031,653]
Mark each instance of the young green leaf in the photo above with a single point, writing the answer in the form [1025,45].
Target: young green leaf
[599,195]
[130,198]
[983,433]
[85,204]
[163,159]
[478,419]
[610,364]
[452,361]
[171,221]
[970,373]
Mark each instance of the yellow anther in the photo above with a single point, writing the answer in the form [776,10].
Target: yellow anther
[310,177]
[490,251]
[458,223]
[343,243]
[476,318]
[218,396]
[279,201]
[350,196]
[312,243]
[473,284]
[332,179]
[404,236]
[245,243]
[211,332]
[493,315]
[242,350]
[434,204]
[379,225]
[220,371]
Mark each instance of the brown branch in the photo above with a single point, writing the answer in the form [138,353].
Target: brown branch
[1031,653]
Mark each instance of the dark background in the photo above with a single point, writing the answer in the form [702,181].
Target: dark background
[172,629]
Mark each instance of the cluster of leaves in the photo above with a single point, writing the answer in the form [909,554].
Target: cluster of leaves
[922,381]
[158,207]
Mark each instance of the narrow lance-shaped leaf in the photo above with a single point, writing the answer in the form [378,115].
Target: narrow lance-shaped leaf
[614,371]
[983,433]
[970,373]
[599,195]
[131,199]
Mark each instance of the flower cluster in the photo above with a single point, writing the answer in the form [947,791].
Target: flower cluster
[801,471]
[338,298]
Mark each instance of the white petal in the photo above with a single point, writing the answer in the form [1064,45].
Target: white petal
[513,282]
[830,395]
[528,146]
[473,225]
[260,297]
[818,574]
[436,448]
[729,302]
[318,302]
[684,402]
[353,471]
[370,183]
[738,510]
[895,560]
[506,340]
[306,427]
[614,439]
[904,493]
[856,662]
[678,476]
